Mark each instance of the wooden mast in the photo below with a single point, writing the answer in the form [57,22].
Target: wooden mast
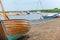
[5,16]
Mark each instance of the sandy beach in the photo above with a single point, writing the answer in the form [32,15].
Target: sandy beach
[46,31]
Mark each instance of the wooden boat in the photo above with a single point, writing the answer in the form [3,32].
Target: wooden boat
[14,28]
[11,29]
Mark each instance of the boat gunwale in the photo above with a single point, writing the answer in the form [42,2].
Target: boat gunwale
[15,19]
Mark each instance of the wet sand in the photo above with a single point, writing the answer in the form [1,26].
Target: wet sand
[46,31]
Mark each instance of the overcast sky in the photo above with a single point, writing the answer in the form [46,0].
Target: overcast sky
[17,5]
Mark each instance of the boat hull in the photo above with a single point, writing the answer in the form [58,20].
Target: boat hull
[14,29]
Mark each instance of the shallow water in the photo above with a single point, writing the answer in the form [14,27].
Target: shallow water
[28,17]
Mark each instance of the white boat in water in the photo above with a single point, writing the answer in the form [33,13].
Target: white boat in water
[51,15]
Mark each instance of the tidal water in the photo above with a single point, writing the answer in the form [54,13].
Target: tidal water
[28,17]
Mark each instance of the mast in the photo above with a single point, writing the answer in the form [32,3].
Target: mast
[41,9]
[41,4]
[3,11]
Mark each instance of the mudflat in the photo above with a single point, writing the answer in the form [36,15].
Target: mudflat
[46,31]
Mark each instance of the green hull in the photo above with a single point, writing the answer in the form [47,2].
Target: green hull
[14,37]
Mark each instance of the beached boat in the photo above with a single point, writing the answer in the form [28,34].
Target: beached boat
[51,15]
[12,29]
